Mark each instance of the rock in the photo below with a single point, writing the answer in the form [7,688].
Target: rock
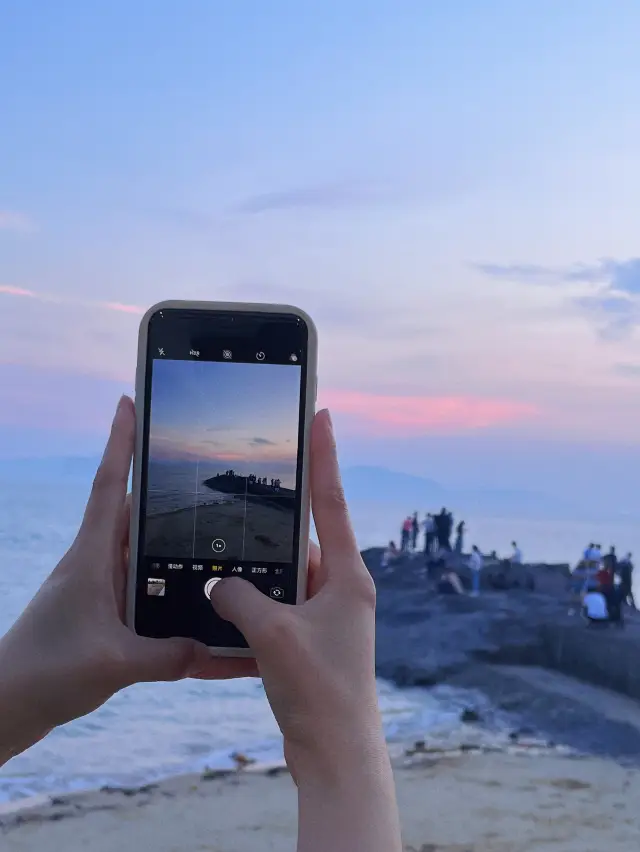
[470,717]
[521,732]
[276,771]
[215,774]
[419,747]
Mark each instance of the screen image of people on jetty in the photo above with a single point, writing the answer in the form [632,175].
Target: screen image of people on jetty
[221,473]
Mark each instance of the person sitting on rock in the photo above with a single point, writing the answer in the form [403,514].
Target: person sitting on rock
[594,609]
[450,584]
[389,555]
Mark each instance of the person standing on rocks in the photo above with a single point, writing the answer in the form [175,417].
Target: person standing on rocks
[444,526]
[406,534]
[625,569]
[516,555]
[439,525]
[448,529]
[476,563]
[415,529]
[459,537]
[429,535]
[611,562]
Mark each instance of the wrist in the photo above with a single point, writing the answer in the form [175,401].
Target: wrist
[21,725]
[333,754]
[22,721]
[346,796]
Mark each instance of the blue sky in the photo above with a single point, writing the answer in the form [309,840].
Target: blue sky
[451,192]
[239,414]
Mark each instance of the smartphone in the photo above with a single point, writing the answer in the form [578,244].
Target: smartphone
[225,395]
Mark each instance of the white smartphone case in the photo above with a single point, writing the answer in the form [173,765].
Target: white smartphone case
[311,386]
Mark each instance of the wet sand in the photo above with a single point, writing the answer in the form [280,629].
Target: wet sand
[485,802]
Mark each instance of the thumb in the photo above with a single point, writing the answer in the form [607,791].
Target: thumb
[239,602]
[167,659]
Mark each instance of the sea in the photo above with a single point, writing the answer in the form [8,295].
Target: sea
[151,731]
[174,486]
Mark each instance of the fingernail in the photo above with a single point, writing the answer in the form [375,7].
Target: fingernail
[121,404]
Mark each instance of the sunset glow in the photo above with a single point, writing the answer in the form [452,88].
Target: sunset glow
[400,414]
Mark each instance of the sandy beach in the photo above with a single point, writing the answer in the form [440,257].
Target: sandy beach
[513,801]
[253,528]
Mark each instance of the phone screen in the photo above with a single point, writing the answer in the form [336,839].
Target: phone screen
[221,473]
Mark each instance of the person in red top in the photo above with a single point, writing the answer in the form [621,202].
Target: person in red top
[604,577]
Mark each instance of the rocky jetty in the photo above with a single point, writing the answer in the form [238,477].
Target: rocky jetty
[486,642]
[423,637]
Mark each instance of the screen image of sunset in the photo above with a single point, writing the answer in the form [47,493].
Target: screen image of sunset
[223,447]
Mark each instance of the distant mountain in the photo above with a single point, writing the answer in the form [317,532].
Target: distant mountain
[368,489]
[378,485]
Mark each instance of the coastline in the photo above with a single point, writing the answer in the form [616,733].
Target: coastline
[553,759]
[486,801]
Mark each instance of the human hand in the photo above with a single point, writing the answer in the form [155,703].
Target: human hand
[70,650]
[317,659]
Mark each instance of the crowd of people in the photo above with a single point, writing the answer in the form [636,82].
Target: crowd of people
[603,582]
[433,534]
[605,585]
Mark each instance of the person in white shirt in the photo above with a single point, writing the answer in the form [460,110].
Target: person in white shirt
[594,608]
[593,563]
[389,556]
[475,563]
[429,534]
[516,556]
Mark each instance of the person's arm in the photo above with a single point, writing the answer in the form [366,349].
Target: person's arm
[349,803]
[70,651]
[318,665]
[22,722]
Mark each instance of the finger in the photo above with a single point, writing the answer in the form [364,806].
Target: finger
[330,513]
[239,602]
[122,565]
[225,668]
[103,514]
[316,577]
[150,660]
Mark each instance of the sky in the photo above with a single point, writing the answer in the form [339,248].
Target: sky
[244,416]
[451,190]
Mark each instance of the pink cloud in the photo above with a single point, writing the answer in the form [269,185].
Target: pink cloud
[11,220]
[419,415]
[9,290]
[124,309]
[120,307]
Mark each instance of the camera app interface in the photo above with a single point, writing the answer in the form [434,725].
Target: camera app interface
[221,474]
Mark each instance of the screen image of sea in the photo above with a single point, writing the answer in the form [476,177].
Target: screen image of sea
[222,460]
